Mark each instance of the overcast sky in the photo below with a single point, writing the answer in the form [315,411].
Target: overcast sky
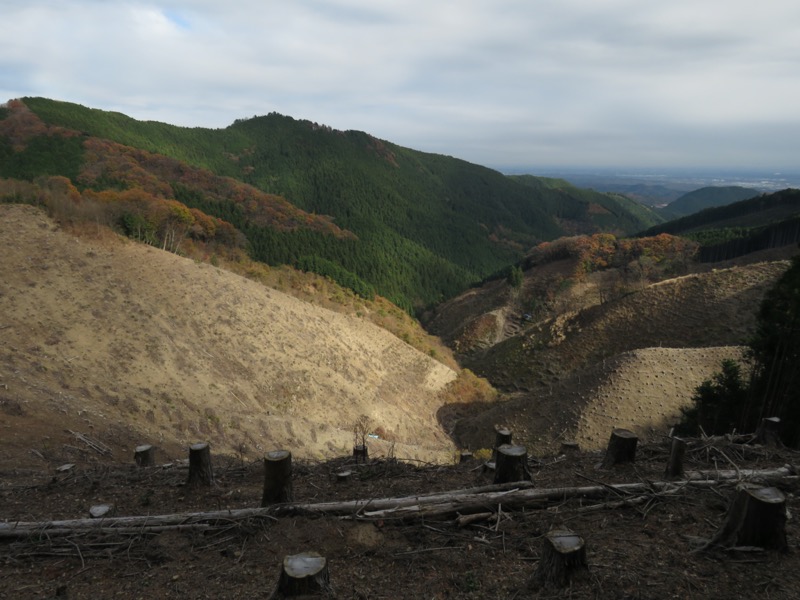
[504,83]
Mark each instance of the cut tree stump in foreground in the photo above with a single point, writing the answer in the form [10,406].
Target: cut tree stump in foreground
[569,448]
[361,453]
[145,455]
[768,432]
[677,449]
[277,478]
[621,448]
[200,472]
[757,517]
[563,559]
[511,464]
[303,574]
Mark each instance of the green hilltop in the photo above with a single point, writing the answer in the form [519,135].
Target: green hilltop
[725,232]
[706,197]
[419,227]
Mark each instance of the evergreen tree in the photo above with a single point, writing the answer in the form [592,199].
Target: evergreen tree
[775,350]
[717,402]
[515,277]
[727,402]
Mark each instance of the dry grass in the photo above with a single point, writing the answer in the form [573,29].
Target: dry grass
[106,336]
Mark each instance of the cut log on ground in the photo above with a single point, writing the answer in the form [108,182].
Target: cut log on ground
[677,449]
[361,453]
[512,464]
[464,520]
[757,517]
[200,472]
[277,478]
[563,559]
[145,455]
[621,448]
[444,504]
[302,575]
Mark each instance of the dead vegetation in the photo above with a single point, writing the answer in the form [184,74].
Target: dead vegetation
[641,533]
[133,345]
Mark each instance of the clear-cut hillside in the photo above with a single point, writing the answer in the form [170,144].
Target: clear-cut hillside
[130,344]
[642,390]
[631,362]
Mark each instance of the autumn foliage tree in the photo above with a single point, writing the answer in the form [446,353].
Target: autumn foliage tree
[638,257]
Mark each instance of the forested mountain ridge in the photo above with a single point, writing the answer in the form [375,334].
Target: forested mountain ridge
[422,227]
[762,209]
[707,197]
[580,210]
[726,232]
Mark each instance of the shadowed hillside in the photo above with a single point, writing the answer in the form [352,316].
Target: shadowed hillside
[707,197]
[632,361]
[642,390]
[694,311]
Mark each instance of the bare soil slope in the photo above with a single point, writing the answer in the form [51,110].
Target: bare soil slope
[632,362]
[641,390]
[129,344]
[695,311]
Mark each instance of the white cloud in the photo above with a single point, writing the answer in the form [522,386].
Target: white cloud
[512,82]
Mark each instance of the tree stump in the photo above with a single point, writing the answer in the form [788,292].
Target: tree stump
[465,456]
[145,455]
[277,477]
[675,463]
[502,436]
[569,448]
[360,453]
[563,559]
[768,432]
[757,517]
[511,464]
[303,574]
[343,476]
[621,448]
[200,472]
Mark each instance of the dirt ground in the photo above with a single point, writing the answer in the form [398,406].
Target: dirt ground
[131,344]
[643,551]
[641,390]
[109,344]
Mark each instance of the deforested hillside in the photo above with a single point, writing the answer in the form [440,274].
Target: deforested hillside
[716,308]
[129,344]
[633,361]
[641,390]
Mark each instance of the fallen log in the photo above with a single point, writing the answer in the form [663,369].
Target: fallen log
[515,495]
